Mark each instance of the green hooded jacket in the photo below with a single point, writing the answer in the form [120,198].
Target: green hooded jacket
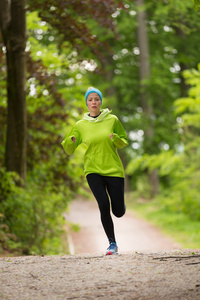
[101,156]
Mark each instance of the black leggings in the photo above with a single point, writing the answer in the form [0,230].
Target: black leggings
[102,186]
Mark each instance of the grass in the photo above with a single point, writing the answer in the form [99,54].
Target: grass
[177,226]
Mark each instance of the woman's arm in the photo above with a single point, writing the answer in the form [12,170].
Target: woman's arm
[71,142]
[119,137]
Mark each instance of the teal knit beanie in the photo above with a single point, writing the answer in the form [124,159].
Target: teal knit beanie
[93,90]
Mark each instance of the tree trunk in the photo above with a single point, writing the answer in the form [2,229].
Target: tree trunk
[13,27]
[145,74]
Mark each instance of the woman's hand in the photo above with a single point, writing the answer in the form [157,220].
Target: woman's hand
[73,139]
[111,136]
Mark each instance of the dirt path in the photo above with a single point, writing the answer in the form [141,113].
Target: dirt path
[142,276]
[147,274]
[132,233]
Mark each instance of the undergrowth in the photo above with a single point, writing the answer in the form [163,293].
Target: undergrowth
[172,222]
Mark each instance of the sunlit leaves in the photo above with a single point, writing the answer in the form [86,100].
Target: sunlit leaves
[189,108]
[196,4]
[70,20]
[165,162]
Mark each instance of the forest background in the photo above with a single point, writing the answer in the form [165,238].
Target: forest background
[144,56]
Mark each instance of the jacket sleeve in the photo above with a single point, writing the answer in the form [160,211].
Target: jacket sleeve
[119,135]
[68,145]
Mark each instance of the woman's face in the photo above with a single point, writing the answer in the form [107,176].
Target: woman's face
[94,104]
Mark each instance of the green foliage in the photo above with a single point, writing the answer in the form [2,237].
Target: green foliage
[196,4]
[163,213]
[166,162]
[70,19]
[7,239]
[54,103]
[190,106]
[55,86]
[7,188]
[169,55]
[178,170]
[33,216]
[188,110]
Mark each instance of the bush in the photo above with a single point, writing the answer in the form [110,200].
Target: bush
[33,215]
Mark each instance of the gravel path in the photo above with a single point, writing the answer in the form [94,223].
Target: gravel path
[161,275]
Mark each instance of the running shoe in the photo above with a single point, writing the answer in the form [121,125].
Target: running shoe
[112,249]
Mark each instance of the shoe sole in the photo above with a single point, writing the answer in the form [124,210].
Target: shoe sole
[110,253]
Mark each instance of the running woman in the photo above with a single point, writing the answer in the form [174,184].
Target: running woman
[103,134]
